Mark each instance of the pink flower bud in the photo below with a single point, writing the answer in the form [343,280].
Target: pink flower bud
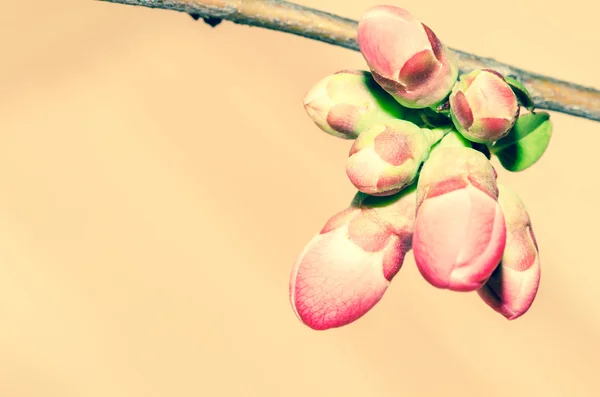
[459,228]
[483,106]
[345,270]
[406,57]
[346,102]
[386,157]
[514,284]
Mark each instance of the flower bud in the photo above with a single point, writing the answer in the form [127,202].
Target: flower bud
[406,57]
[346,102]
[345,270]
[459,228]
[514,284]
[386,157]
[483,106]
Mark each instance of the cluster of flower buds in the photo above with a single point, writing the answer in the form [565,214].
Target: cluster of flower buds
[423,141]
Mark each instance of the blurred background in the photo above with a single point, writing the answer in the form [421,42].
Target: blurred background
[159,177]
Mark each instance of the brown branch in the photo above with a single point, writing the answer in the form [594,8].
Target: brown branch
[548,93]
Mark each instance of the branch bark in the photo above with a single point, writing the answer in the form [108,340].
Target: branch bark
[547,92]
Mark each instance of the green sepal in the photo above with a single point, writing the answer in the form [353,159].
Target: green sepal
[366,200]
[433,119]
[452,138]
[525,143]
[483,148]
[442,107]
[523,96]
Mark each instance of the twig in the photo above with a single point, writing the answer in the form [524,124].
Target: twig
[548,93]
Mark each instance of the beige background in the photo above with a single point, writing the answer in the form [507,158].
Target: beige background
[158,179]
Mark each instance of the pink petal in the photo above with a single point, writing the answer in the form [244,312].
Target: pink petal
[511,292]
[343,118]
[493,128]
[512,288]
[336,282]
[491,97]
[388,37]
[436,44]
[461,109]
[343,272]
[393,147]
[364,169]
[418,69]
[459,239]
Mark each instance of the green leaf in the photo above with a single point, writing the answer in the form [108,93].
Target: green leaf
[521,92]
[525,143]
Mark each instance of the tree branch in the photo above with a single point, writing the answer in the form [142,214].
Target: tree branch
[548,93]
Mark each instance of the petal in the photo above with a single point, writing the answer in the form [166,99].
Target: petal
[510,292]
[459,239]
[344,118]
[418,69]
[490,96]
[335,282]
[364,169]
[436,45]
[461,109]
[345,270]
[393,147]
[389,36]
[513,286]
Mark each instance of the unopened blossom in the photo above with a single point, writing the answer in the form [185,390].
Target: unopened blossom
[345,269]
[406,57]
[460,231]
[386,157]
[483,106]
[345,103]
[514,284]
